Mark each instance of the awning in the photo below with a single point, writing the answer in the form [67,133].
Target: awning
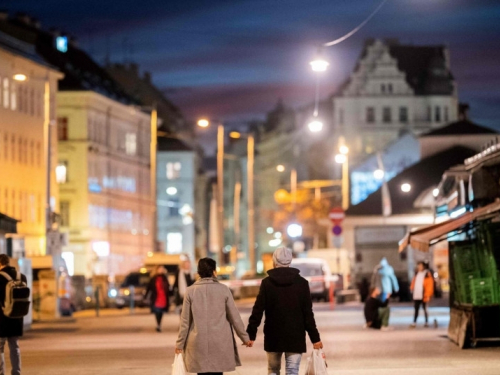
[422,238]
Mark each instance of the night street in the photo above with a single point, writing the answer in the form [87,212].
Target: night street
[127,345]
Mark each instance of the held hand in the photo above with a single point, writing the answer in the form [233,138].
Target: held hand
[178,351]
[249,344]
[318,345]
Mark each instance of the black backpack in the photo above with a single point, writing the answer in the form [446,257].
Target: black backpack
[17,297]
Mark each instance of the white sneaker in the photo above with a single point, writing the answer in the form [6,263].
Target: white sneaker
[413,325]
[387,329]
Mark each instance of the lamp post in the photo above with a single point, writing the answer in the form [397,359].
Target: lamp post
[152,151]
[250,195]
[204,123]
[343,158]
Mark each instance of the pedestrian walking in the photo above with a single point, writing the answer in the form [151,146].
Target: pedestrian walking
[209,317]
[422,287]
[385,279]
[377,313]
[285,298]
[10,328]
[183,280]
[158,292]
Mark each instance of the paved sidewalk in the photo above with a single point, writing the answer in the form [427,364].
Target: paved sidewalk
[128,345]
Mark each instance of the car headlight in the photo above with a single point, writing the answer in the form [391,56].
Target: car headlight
[113,293]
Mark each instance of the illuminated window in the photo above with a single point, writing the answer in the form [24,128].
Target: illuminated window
[130,143]
[174,243]
[13,97]
[173,207]
[62,44]
[173,170]
[6,94]
[64,211]
[370,115]
[62,172]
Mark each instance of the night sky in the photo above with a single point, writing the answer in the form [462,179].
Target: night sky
[234,59]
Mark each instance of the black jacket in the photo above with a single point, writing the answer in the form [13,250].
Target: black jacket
[189,281]
[286,300]
[9,327]
[371,311]
[151,292]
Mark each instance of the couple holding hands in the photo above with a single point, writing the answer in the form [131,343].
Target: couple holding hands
[209,316]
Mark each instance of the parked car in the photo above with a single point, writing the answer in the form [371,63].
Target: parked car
[134,286]
[318,271]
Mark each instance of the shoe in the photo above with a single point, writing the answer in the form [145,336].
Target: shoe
[365,326]
[426,325]
[413,325]
[158,329]
[435,323]
[387,329]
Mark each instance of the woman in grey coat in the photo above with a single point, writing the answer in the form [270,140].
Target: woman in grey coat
[208,319]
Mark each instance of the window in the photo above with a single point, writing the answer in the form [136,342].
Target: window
[174,243]
[13,97]
[32,102]
[6,94]
[403,114]
[386,115]
[6,146]
[173,207]
[382,88]
[389,88]
[64,210]
[437,114]
[32,208]
[62,128]
[173,170]
[20,150]
[32,153]
[62,172]
[370,115]
[13,148]
[446,114]
[429,113]
[130,143]
[341,116]
[38,154]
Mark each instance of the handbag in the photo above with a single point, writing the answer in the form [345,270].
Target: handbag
[316,363]
[178,367]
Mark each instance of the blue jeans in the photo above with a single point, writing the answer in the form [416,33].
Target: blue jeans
[292,363]
[15,355]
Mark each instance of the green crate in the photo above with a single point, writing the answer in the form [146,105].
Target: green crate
[484,292]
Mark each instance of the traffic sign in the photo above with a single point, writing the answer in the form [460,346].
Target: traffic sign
[337,230]
[336,215]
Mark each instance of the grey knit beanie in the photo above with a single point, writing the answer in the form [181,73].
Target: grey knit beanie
[282,257]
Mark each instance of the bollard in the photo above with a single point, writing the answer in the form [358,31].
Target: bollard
[132,298]
[332,295]
[96,301]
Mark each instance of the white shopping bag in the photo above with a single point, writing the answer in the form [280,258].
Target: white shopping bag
[316,363]
[178,367]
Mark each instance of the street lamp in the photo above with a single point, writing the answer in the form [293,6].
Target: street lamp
[342,158]
[280,168]
[315,125]
[379,174]
[250,194]
[205,123]
[406,187]
[294,230]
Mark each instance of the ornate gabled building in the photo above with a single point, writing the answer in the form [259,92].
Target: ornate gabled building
[394,89]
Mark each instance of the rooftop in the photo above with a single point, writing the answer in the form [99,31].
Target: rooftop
[172,144]
[462,127]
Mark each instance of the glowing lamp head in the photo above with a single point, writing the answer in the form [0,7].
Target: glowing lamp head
[294,230]
[344,150]
[235,135]
[20,77]
[435,192]
[171,190]
[340,158]
[315,126]
[406,188]
[379,174]
[203,123]
[319,65]
[280,168]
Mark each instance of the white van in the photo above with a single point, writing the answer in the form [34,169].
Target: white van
[319,275]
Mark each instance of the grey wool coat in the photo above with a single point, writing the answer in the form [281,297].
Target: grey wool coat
[209,317]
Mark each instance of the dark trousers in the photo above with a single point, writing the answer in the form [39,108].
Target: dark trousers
[211,373]
[419,303]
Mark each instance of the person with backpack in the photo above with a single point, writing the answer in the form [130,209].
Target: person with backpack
[285,298]
[14,299]
[422,288]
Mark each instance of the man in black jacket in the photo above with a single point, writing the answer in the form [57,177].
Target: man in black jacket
[286,300]
[10,329]
[377,312]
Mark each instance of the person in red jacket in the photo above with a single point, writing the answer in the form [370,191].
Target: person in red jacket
[158,292]
[422,287]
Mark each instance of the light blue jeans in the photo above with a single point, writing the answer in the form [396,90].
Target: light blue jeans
[15,355]
[292,363]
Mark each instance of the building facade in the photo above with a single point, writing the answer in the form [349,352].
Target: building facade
[104,180]
[23,164]
[394,89]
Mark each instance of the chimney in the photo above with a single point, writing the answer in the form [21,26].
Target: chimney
[147,77]
[463,112]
